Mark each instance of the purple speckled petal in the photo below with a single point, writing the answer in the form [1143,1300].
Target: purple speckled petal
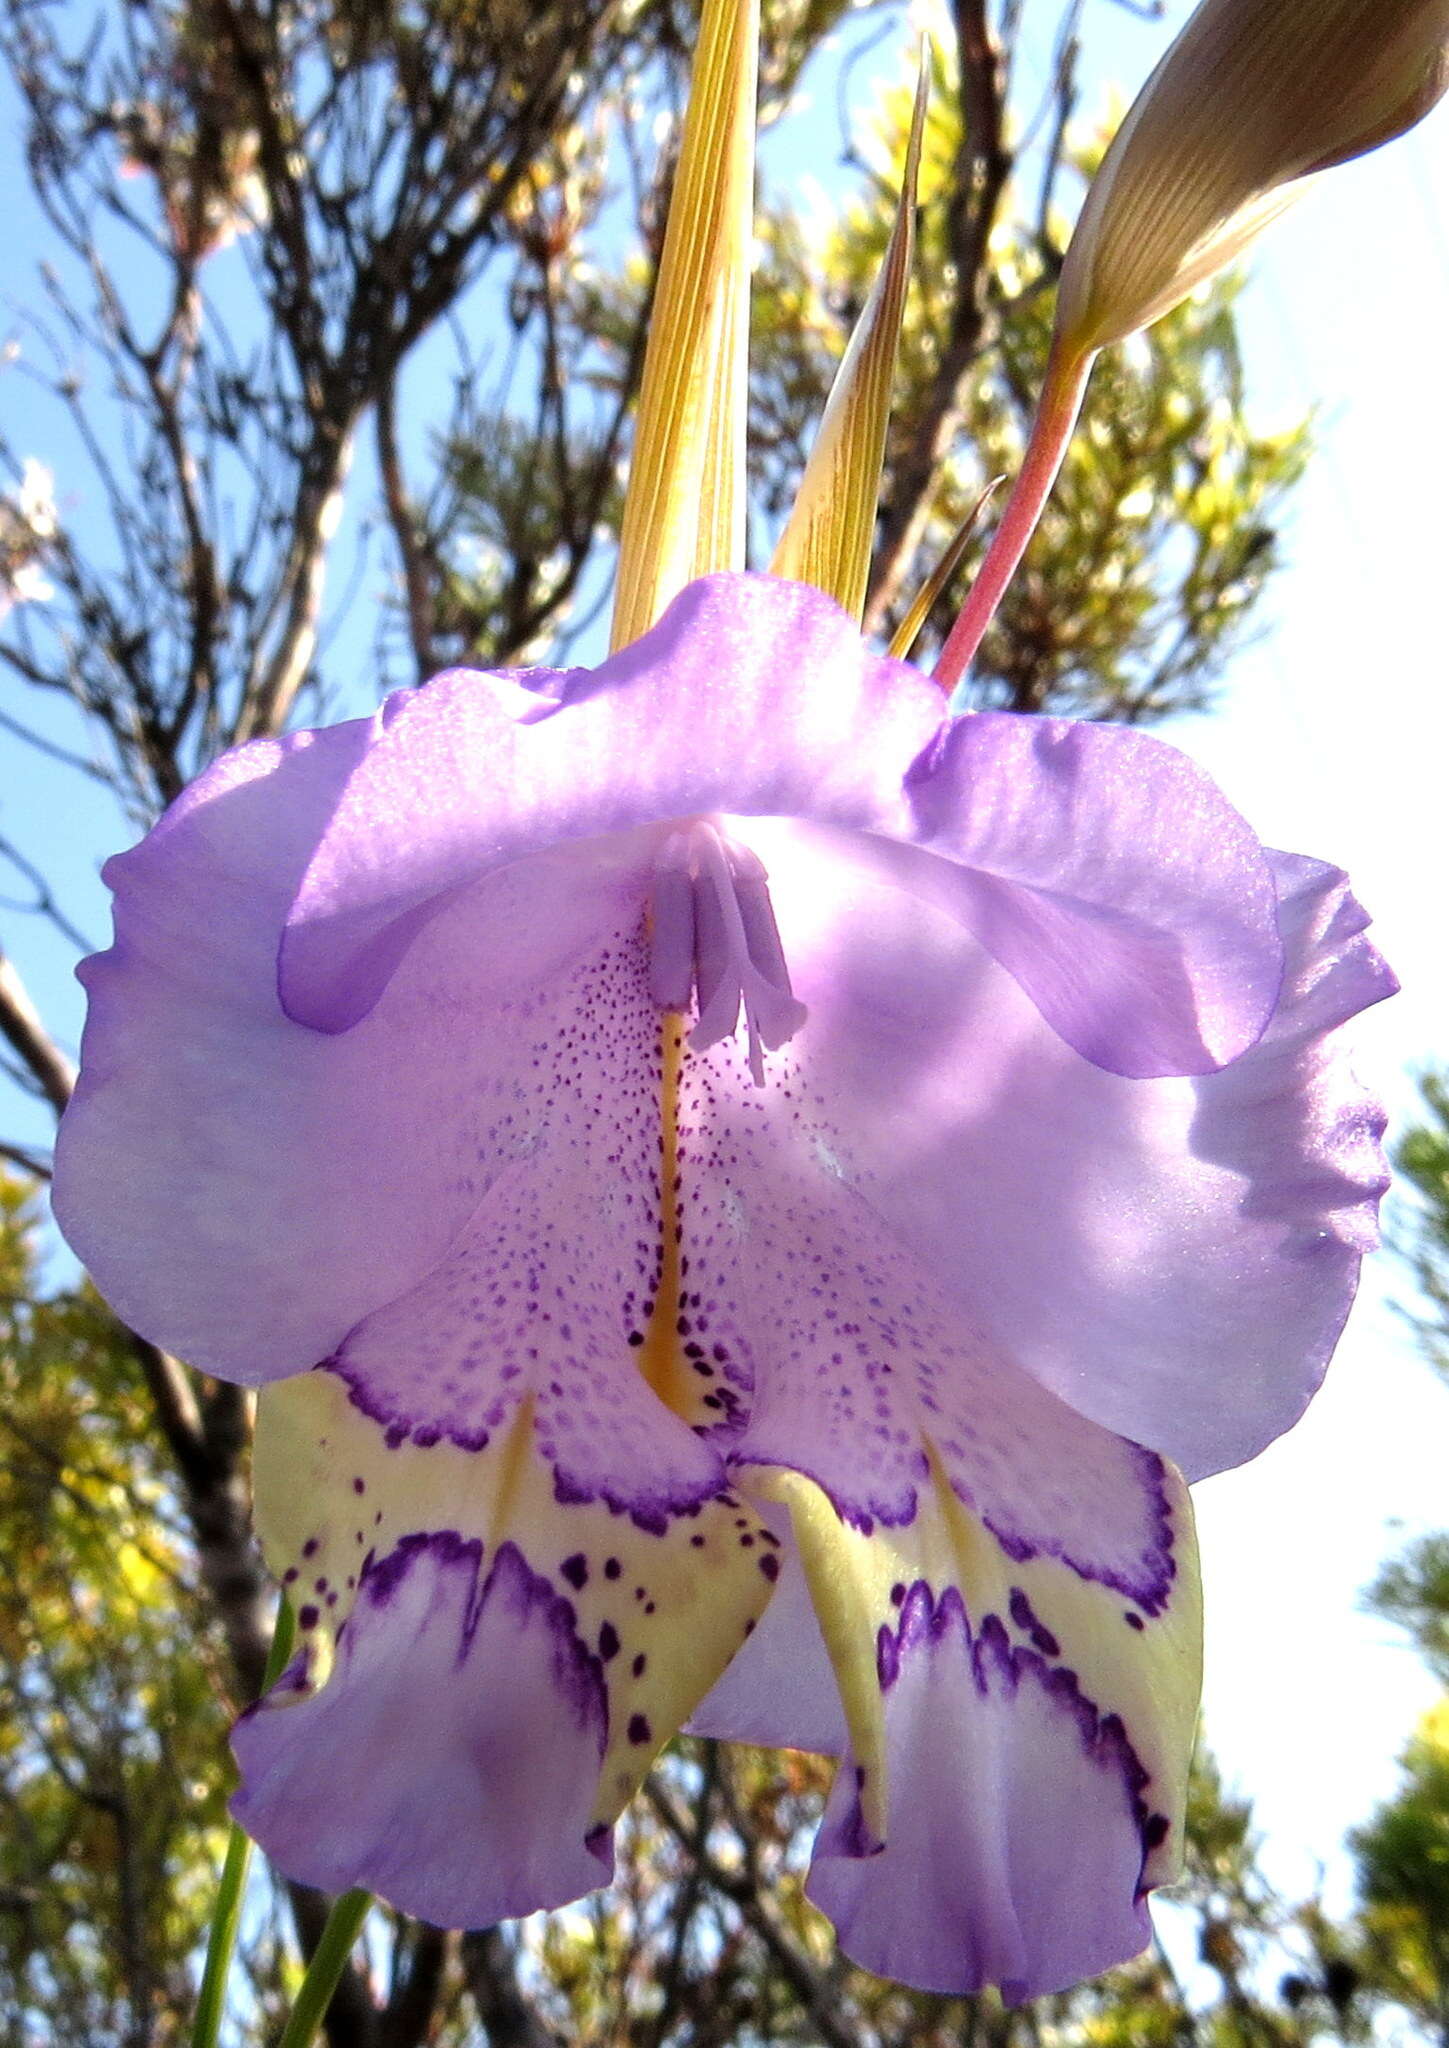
[855,1352]
[245,1190]
[414,1772]
[1015,1841]
[546,1295]
[469,1620]
[1173,1258]
[1019,1732]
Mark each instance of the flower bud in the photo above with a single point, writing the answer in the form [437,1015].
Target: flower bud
[1253,98]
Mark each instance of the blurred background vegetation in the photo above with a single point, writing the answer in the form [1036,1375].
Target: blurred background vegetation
[348,302]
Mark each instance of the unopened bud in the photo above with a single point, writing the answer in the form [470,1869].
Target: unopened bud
[1253,99]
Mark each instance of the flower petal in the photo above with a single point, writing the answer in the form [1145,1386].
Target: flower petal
[490,1662]
[1110,875]
[1019,1742]
[1103,868]
[750,694]
[1173,1258]
[779,1690]
[414,1773]
[319,1177]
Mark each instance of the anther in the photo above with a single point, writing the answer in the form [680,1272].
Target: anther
[713,935]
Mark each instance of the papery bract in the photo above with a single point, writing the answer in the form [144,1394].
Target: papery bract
[616,1391]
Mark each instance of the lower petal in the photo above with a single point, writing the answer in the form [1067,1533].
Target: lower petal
[489,1664]
[414,1772]
[1027,1878]
[1019,1738]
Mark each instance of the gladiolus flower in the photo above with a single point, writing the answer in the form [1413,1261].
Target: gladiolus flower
[745,1193]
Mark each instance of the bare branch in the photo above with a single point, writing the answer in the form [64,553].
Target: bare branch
[20,1024]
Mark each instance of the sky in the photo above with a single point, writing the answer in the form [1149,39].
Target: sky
[1332,737]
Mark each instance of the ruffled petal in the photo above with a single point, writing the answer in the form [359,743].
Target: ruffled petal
[1019,1741]
[750,694]
[1111,876]
[414,1772]
[246,1190]
[490,1662]
[1173,1258]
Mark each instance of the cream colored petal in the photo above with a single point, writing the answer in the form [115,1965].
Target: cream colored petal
[1143,1667]
[663,1612]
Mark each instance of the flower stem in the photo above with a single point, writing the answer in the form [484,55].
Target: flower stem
[329,1959]
[226,1914]
[1061,399]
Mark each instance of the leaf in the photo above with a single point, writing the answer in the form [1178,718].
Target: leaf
[684,513]
[830,533]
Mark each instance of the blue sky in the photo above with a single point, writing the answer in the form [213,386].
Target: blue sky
[1333,739]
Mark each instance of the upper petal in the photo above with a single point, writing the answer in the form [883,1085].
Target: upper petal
[246,1190]
[751,694]
[1111,876]
[1173,1257]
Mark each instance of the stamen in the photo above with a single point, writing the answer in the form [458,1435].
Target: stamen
[713,933]
[671,936]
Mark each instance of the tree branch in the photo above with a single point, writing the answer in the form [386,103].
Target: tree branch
[20,1024]
[508,2018]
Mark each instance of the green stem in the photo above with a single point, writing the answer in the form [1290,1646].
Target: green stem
[226,1915]
[329,1960]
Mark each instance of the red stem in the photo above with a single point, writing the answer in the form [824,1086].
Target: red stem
[1061,401]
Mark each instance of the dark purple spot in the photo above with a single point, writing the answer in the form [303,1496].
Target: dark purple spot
[289,1576]
[898,1594]
[696,1543]
[770,1565]
[608,1641]
[576,1570]
[611,1567]
[1135,1621]
[307,1617]
[309,1548]
[639,1729]
[359,1485]
[1155,1830]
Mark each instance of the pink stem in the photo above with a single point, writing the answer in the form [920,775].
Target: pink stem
[1061,400]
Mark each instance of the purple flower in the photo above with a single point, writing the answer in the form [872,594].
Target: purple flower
[815,1369]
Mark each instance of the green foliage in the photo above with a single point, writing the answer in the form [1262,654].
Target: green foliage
[1422,1160]
[111,1725]
[1403,1860]
[1412,1591]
